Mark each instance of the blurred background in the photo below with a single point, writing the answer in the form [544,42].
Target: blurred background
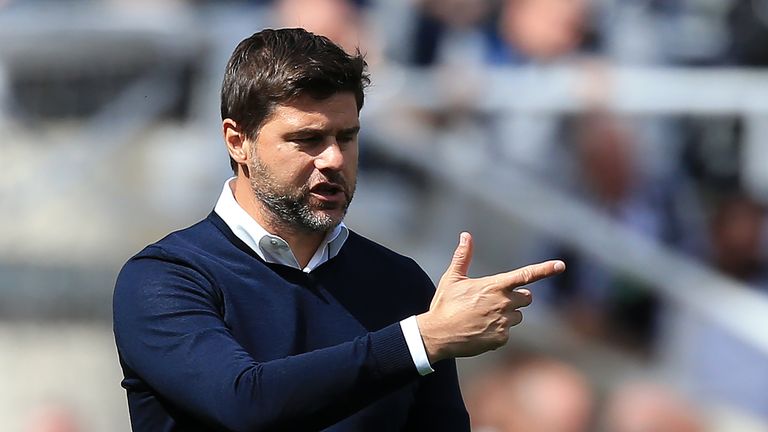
[623,136]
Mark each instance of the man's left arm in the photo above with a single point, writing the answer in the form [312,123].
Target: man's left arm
[439,405]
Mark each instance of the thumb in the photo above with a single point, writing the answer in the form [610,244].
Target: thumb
[462,257]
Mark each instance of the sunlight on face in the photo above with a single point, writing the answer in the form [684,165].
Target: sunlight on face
[304,162]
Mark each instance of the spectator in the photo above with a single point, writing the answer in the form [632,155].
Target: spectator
[533,393]
[53,418]
[339,20]
[736,234]
[748,28]
[540,30]
[451,32]
[639,407]
[595,299]
[712,363]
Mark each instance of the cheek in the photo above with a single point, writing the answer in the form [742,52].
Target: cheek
[289,166]
[350,161]
[300,171]
[295,173]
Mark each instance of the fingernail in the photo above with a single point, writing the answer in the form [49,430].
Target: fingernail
[559,266]
[463,239]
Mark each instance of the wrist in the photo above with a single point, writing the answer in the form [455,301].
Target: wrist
[430,337]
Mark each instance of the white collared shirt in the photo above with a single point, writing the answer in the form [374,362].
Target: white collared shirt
[273,249]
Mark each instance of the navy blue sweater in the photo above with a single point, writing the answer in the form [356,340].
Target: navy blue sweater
[212,338]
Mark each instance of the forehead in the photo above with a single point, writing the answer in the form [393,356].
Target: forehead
[339,111]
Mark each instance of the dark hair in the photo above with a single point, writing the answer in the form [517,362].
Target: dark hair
[275,66]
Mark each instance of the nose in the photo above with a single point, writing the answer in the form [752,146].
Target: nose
[331,158]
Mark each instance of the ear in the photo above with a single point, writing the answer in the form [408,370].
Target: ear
[238,145]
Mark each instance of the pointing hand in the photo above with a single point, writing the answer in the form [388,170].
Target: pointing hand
[468,316]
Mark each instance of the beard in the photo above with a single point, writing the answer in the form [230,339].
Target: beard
[294,208]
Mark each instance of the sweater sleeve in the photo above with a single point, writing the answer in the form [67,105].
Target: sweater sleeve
[438,403]
[170,332]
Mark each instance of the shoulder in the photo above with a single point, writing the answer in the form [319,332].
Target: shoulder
[398,281]
[182,253]
[197,238]
[379,261]
[373,252]
[198,241]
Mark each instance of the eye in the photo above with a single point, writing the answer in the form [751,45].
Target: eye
[310,140]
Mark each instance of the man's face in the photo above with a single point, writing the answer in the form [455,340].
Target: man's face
[304,168]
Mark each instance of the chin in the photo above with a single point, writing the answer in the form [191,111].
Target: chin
[333,216]
[331,213]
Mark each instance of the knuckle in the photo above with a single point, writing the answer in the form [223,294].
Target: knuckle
[504,322]
[502,336]
[491,287]
[505,304]
[527,276]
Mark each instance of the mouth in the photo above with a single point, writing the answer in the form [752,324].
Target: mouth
[328,192]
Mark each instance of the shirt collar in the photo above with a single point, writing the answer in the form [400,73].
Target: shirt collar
[272,248]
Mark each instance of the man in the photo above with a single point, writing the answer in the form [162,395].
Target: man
[270,314]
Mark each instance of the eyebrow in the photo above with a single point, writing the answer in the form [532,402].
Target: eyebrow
[350,131]
[313,131]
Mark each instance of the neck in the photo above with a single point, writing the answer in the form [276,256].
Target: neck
[303,244]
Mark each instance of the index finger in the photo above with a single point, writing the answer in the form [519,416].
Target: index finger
[529,274]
